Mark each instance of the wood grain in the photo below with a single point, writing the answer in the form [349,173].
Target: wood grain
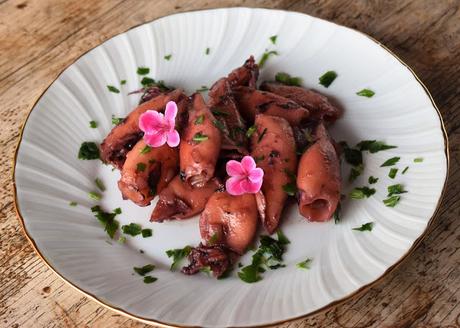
[39,38]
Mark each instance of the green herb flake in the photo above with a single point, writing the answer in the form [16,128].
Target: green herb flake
[390,162]
[132,229]
[287,79]
[251,131]
[418,160]
[217,112]
[219,125]
[123,82]
[207,51]
[122,239]
[92,124]
[73,204]
[250,274]
[405,170]
[94,195]
[168,57]
[282,239]
[273,38]
[147,81]
[361,193]
[107,220]
[392,201]
[373,146]
[327,78]
[143,70]
[265,57]
[304,264]
[199,119]
[149,279]
[290,189]
[147,233]
[365,227]
[262,135]
[199,137]
[352,156]
[365,93]
[259,158]
[117,120]
[146,149]
[393,172]
[88,151]
[117,210]
[142,271]
[214,238]
[99,184]
[202,89]
[140,167]
[372,180]
[178,255]
[356,172]
[396,189]
[113,89]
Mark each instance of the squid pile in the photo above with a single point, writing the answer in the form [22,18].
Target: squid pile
[234,159]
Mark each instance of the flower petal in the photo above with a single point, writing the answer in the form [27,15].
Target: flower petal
[155,139]
[150,121]
[173,138]
[248,164]
[251,187]
[234,187]
[234,168]
[256,175]
[170,113]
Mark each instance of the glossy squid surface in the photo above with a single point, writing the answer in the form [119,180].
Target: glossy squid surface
[318,178]
[146,173]
[274,150]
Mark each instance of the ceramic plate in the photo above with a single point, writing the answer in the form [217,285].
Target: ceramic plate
[48,174]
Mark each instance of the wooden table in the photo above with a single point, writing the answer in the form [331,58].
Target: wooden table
[39,38]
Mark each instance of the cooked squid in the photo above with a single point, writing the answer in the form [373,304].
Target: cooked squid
[200,144]
[273,147]
[124,136]
[318,178]
[229,220]
[180,201]
[252,102]
[146,173]
[319,106]
[217,258]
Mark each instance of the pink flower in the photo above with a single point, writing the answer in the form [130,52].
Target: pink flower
[160,129]
[245,177]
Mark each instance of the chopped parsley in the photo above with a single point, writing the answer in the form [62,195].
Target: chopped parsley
[132,229]
[396,189]
[92,124]
[365,227]
[214,238]
[113,89]
[250,274]
[262,135]
[265,57]
[336,214]
[327,78]
[372,180]
[405,170]
[392,201]
[273,38]
[123,82]
[217,112]
[122,239]
[73,204]
[146,149]
[177,255]
[202,89]
[143,70]
[361,193]
[356,172]
[390,162]
[88,150]
[219,125]
[94,195]
[117,120]
[99,184]
[149,279]
[199,119]
[259,158]
[142,271]
[147,81]
[290,174]
[251,131]
[287,79]
[373,146]
[107,219]
[140,167]
[418,160]
[199,137]
[366,93]
[393,172]
[147,233]
[168,57]
[304,264]
[282,239]
[352,156]
[207,51]
[290,189]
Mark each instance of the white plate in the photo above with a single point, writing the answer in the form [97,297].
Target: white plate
[48,174]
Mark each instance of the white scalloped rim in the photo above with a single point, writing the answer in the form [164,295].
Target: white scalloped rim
[48,174]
